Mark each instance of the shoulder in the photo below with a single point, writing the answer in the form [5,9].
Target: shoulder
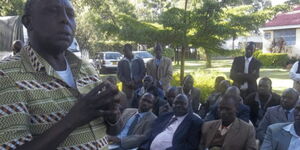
[210,124]
[278,126]
[12,64]
[239,58]
[196,119]
[166,59]
[196,90]
[151,116]
[273,110]
[276,96]
[130,110]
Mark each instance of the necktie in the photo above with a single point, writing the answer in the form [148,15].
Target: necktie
[287,114]
[246,66]
[171,121]
[133,124]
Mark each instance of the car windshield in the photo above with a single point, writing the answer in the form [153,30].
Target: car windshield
[143,55]
[113,56]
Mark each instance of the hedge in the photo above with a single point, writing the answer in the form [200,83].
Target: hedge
[203,80]
[272,59]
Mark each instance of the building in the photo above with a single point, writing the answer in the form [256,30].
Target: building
[282,34]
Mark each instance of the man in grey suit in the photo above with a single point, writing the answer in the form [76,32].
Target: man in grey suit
[136,125]
[284,136]
[279,114]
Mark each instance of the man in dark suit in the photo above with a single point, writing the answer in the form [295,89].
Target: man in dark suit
[136,125]
[191,92]
[261,100]
[131,71]
[228,133]
[180,130]
[279,114]
[245,71]
[284,136]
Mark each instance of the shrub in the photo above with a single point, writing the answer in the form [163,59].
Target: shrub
[257,53]
[273,59]
[203,80]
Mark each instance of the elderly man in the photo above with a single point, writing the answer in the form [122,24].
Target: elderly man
[245,71]
[179,130]
[170,96]
[131,71]
[50,99]
[283,136]
[279,114]
[228,133]
[261,100]
[191,92]
[136,125]
[243,111]
[160,68]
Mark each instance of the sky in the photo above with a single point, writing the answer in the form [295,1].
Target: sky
[277,2]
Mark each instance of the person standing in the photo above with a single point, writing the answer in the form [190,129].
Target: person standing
[160,68]
[295,75]
[245,71]
[131,71]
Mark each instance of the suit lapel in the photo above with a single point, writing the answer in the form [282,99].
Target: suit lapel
[183,125]
[212,132]
[142,121]
[285,140]
[127,117]
[232,132]
[281,114]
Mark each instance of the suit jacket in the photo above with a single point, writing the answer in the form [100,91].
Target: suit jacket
[140,132]
[238,66]
[254,104]
[186,137]
[137,70]
[162,73]
[194,98]
[243,113]
[276,138]
[240,136]
[275,114]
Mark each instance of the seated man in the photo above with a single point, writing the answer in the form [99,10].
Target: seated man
[283,136]
[259,101]
[279,114]
[214,98]
[192,93]
[148,82]
[158,101]
[243,111]
[170,96]
[136,125]
[228,133]
[179,130]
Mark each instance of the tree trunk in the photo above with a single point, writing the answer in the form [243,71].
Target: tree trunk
[208,59]
[182,65]
[233,39]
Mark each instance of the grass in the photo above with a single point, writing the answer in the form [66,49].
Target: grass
[279,76]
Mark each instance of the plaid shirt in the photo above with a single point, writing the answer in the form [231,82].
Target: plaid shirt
[34,98]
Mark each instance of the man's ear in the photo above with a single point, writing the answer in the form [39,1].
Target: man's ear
[26,20]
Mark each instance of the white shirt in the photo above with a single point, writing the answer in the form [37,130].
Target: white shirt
[246,70]
[295,141]
[67,76]
[164,139]
[293,72]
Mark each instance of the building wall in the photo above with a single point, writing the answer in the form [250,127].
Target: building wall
[292,50]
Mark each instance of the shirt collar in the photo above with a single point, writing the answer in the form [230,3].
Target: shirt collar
[134,57]
[290,111]
[291,129]
[249,59]
[142,114]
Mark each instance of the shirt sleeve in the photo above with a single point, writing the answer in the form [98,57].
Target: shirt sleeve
[293,72]
[14,116]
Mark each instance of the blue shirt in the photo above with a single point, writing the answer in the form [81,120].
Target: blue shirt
[295,140]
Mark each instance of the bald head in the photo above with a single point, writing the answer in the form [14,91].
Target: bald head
[233,90]
[289,98]
[146,102]
[180,105]
[171,94]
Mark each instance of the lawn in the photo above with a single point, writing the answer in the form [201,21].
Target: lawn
[278,76]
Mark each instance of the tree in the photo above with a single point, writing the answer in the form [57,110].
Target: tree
[11,7]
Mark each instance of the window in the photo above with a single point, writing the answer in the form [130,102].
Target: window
[288,36]
[112,56]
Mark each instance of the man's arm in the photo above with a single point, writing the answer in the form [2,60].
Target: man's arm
[267,143]
[262,127]
[196,101]
[251,141]
[293,72]
[234,75]
[120,72]
[85,110]
[142,71]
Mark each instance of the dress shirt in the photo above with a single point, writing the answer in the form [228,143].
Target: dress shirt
[289,113]
[164,139]
[130,65]
[295,140]
[223,130]
[246,71]
[293,72]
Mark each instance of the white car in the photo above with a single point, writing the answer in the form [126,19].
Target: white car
[107,62]
[146,56]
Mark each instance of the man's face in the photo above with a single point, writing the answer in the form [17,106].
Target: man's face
[148,82]
[249,51]
[297,113]
[227,111]
[188,84]
[171,96]
[146,103]
[158,52]
[180,106]
[264,87]
[53,24]
[288,100]
[128,53]
[224,86]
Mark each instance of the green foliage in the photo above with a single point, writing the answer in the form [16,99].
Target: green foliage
[167,52]
[204,81]
[273,59]
[11,7]
[257,53]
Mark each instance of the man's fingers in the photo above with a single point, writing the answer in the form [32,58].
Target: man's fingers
[98,88]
